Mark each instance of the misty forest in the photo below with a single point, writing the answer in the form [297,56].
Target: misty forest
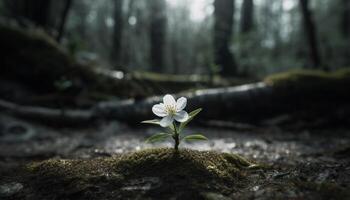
[174,99]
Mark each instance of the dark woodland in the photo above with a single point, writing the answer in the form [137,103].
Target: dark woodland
[272,79]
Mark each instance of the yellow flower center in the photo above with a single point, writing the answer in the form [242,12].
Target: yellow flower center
[171,109]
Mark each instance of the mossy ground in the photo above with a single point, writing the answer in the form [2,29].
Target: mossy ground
[302,165]
[165,172]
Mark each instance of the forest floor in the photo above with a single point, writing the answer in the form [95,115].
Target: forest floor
[299,164]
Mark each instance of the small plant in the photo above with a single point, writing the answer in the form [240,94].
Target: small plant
[171,112]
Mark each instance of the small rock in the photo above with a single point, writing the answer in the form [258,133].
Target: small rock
[143,184]
[17,129]
[15,132]
[322,177]
[214,196]
[281,175]
[255,188]
[10,189]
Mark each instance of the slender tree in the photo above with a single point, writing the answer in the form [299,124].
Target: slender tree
[345,28]
[35,11]
[310,29]
[345,18]
[247,16]
[117,32]
[39,13]
[223,26]
[47,14]
[62,23]
[157,34]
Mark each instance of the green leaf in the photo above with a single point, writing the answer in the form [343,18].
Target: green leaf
[158,137]
[191,116]
[171,127]
[195,137]
[153,121]
[157,122]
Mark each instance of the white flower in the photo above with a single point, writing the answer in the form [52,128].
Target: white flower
[170,110]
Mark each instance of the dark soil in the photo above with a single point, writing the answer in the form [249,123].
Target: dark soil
[298,163]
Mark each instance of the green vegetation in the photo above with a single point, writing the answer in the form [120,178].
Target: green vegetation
[312,84]
[174,130]
[183,172]
[309,78]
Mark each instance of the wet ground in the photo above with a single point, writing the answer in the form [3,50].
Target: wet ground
[300,164]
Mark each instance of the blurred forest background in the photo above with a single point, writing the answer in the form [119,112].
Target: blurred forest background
[75,53]
[78,76]
[238,38]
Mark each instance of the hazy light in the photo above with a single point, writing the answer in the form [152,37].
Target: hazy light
[117,74]
[288,4]
[132,20]
[109,22]
[92,16]
[199,9]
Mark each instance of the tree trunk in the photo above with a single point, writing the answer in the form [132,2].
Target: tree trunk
[60,31]
[117,32]
[310,29]
[40,13]
[35,11]
[157,34]
[223,25]
[247,16]
[345,18]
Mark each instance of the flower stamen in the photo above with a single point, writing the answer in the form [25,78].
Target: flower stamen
[171,110]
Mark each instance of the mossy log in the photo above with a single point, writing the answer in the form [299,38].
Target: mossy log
[133,111]
[313,91]
[32,58]
[316,92]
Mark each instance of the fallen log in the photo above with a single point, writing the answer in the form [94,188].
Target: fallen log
[315,92]
[47,115]
[217,103]
[251,102]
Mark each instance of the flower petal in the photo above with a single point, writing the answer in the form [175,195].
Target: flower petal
[169,100]
[159,110]
[181,103]
[181,116]
[166,121]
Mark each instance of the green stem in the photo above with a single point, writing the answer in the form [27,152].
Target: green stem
[176,138]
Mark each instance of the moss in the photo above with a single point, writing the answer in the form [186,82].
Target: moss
[311,90]
[184,162]
[310,79]
[187,172]
[183,82]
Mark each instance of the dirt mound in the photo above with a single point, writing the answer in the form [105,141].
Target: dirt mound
[161,173]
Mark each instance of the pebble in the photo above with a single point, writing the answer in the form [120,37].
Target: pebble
[9,189]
